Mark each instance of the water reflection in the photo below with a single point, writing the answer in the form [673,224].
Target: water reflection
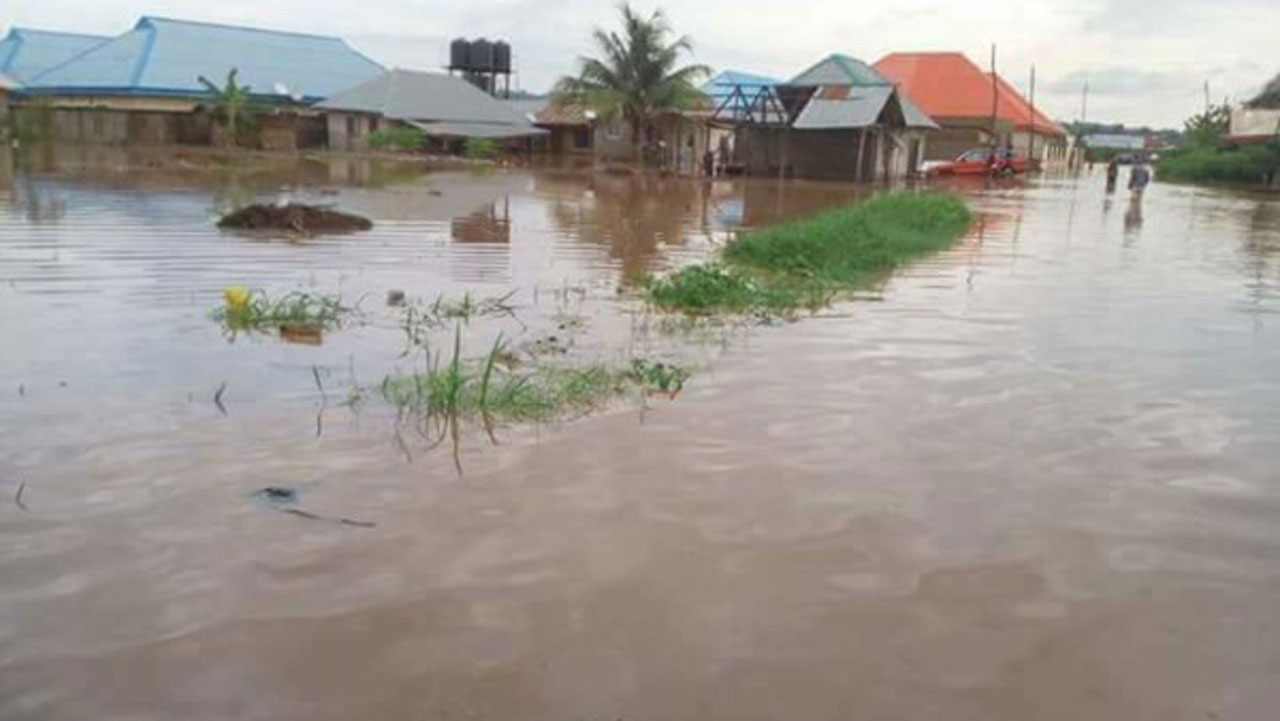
[490,224]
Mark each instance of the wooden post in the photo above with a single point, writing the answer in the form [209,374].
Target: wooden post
[862,147]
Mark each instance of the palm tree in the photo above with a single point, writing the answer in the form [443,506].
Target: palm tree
[231,102]
[637,76]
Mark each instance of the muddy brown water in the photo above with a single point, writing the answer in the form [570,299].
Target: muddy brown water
[1035,477]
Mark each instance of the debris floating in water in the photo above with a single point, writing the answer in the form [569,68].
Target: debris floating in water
[295,217]
[283,499]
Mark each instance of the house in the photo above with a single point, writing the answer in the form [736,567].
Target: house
[839,119]
[569,130]
[7,85]
[25,52]
[729,90]
[447,109]
[1254,125]
[144,86]
[962,99]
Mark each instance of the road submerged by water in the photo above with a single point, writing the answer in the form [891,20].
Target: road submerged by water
[1032,477]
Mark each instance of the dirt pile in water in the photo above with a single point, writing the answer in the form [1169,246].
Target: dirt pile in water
[296,217]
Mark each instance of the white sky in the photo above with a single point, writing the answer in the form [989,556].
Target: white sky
[1146,60]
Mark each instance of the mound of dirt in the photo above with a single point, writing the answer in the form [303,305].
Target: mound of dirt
[295,217]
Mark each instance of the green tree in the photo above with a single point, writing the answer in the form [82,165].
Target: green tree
[231,103]
[1205,130]
[637,77]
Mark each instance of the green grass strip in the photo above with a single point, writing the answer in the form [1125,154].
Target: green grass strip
[805,263]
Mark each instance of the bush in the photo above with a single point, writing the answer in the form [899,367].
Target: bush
[481,149]
[402,137]
[1252,164]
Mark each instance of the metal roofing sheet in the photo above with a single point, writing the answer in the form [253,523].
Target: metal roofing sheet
[839,70]
[432,97]
[25,53]
[860,110]
[167,56]
[495,131]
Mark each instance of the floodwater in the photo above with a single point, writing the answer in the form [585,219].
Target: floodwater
[1033,477]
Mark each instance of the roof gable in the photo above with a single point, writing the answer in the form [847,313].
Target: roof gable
[839,69]
[167,56]
[25,53]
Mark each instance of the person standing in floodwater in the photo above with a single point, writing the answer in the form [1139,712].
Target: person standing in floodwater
[1113,174]
[1139,177]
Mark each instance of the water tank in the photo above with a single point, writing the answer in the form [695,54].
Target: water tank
[502,57]
[481,55]
[459,53]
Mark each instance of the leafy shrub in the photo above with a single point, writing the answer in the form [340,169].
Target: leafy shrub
[481,149]
[400,137]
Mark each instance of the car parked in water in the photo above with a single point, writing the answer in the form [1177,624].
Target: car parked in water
[978,162]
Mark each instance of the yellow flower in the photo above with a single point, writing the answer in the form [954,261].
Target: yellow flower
[237,297]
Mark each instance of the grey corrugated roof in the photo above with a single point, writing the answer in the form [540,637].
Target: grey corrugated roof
[860,110]
[429,97]
[915,117]
[162,56]
[839,69]
[527,107]
[495,131]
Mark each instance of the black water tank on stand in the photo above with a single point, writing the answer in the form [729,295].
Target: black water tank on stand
[481,55]
[459,54]
[502,57]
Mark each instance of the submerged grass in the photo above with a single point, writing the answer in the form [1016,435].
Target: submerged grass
[244,309]
[803,264]
[495,388]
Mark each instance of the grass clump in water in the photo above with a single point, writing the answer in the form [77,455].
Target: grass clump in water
[803,264]
[244,309]
[495,388]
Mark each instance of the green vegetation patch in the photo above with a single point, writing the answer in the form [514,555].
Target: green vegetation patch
[400,137]
[803,264]
[245,309]
[497,387]
[1252,164]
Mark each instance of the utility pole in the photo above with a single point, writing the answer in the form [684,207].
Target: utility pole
[1206,98]
[1031,138]
[995,100]
[1084,104]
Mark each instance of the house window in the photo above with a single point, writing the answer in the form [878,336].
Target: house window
[351,127]
[582,138]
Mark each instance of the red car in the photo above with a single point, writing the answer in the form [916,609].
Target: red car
[978,162]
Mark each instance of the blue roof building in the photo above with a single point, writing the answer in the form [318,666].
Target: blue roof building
[25,53]
[161,57]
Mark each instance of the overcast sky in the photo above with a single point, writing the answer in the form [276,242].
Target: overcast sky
[1146,61]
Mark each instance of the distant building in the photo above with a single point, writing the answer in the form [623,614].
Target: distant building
[26,52]
[958,95]
[839,119]
[7,85]
[144,87]
[569,130]
[1254,125]
[447,109]
[1115,141]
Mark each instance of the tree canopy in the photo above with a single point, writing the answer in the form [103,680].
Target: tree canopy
[638,74]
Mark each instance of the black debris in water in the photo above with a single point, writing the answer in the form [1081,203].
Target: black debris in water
[295,217]
[277,495]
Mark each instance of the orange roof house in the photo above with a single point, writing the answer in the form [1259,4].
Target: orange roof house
[953,90]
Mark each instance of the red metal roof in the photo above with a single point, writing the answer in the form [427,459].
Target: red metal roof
[950,85]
